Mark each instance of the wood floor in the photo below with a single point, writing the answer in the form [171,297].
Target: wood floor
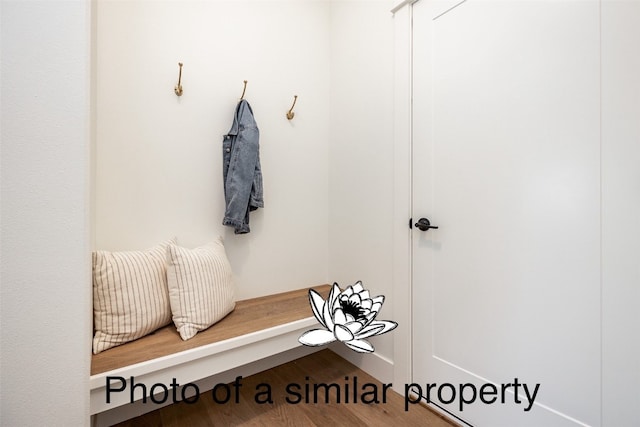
[324,368]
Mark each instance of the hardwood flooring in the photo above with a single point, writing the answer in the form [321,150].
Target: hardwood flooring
[323,367]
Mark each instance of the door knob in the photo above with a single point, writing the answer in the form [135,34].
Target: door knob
[424,224]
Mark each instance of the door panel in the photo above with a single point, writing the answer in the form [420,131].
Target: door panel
[506,158]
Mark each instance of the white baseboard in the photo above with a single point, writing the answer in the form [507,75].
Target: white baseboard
[373,364]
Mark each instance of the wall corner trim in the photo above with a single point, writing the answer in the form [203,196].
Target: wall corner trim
[402,4]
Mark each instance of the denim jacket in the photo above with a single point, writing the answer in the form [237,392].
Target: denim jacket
[241,169]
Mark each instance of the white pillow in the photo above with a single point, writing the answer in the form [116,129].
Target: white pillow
[130,296]
[201,287]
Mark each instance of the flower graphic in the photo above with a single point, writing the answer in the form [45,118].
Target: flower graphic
[347,316]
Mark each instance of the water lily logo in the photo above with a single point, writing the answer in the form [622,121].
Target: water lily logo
[347,316]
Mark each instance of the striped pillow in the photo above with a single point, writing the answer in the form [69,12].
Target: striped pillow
[201,287]
[130,296]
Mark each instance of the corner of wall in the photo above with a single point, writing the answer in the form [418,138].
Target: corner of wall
[45,208]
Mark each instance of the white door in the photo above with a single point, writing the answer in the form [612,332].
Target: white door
[506,162]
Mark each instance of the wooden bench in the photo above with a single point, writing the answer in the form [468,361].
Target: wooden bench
[256,329]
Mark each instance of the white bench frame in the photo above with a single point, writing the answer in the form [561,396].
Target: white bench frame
[198,363]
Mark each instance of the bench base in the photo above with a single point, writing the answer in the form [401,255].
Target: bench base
[270,326]
[117,415]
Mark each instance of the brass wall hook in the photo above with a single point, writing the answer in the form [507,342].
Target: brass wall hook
[290,113]
[178,88]
[243,90]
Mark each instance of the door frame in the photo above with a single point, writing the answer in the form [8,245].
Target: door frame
[402,186]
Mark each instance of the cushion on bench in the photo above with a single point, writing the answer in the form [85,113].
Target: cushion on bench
[130,296]
[201,287]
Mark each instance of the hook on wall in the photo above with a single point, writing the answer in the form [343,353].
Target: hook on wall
[243,90]
[290,113]
[178,88]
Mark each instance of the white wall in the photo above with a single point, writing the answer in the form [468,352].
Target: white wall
[621,212]
[158,157]
[45,292]
[328,173]
[361,153]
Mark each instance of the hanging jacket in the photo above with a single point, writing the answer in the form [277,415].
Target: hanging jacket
[241,169]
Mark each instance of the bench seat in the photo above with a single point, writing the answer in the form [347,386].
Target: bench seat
[257,328]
